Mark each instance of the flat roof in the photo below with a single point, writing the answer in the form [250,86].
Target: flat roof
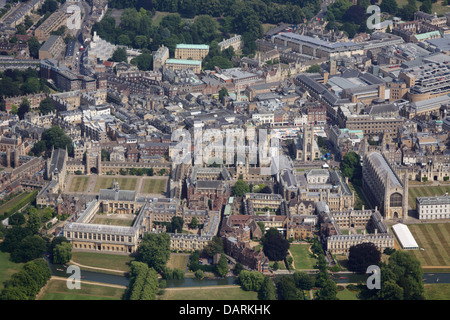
[192,46]
[182,61]
[405,236]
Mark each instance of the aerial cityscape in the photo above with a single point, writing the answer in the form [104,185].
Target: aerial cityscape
[234,150]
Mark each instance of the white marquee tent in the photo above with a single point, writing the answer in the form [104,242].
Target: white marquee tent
[405,237]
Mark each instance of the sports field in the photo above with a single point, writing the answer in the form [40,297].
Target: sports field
[107,182]
[435,239]
[155,186]
[429,191]
[79,184]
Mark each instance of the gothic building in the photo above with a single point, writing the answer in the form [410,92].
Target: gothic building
[383,187]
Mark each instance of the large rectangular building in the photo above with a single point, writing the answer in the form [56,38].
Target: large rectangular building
[181,64]
[52,48]
[191,51]
[433,208]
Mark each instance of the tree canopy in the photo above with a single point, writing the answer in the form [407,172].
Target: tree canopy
[154,250]
[363,255]
[275,246]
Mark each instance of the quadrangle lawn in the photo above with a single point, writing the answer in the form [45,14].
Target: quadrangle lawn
[107,182]
[155,186]
[302,256]
[79,184]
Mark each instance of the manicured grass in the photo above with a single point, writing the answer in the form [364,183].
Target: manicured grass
[347,295]
[178,261]
[107,182]
[11,203]
[57,290]
[103,260]
[218,293]
[113,222]
[435,239]
[155,186]
[428,191]
[437,291]
[7,268]
[302,256]
[360,200]
[79,184]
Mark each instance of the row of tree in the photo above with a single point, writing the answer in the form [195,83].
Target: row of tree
[144,282]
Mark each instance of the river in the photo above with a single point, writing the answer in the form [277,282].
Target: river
[339,278]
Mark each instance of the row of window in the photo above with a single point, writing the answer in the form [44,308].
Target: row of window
[95,236]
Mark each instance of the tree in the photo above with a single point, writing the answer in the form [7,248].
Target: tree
[222,266]
[199,274]
[251,280]
[222,94]
[31,247]
[17,219]
[351,167]
[406,272]
[177,224]
[46,106]
[363,255]
[268,290]
[303,281]
[33,47]
[62,253]
[315,68]
[23,108]
[194,223]
[287,290]
[119,55]
[390,291]
[328,291]
[214,247]
[143,61]
[238,268]
[389,6]
[34,221]
[275,246]
[240,188]
[54,137]
[426,6]
[154,250]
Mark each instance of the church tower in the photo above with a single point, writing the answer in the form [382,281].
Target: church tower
[308,142]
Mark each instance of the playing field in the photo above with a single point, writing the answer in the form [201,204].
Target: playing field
[79,184]
[302,256]
[107,182]
[429,191]
[435,239]
[155,186]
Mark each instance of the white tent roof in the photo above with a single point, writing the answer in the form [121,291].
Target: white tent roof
[405,236]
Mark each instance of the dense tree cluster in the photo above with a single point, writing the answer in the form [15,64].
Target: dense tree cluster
[154,250]
[15,82]
[54,137]
[351,167]
[27,283]
[363,255]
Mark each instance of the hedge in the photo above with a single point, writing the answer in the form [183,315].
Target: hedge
[25,201]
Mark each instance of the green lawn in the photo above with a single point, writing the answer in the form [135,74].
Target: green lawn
[155,186]
[103,260]
[57,290]
[7,268]
[178,261]
[360,200]
[347,295]
[428,191]
[219,293]
[11,203]
[302,256]
[79,184]
[113,222]
[107,182]
[437,291]
[435,239]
